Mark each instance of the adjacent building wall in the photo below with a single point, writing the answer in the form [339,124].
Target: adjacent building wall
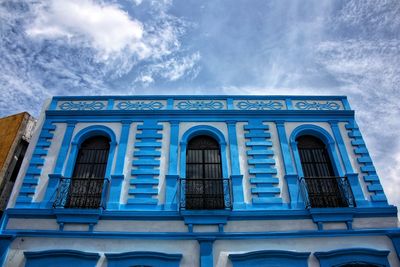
[15,134]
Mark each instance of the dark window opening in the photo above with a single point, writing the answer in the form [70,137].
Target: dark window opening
[323,188]
[204,184]
[314,157]
[86,188]
[12,173]
[19,157]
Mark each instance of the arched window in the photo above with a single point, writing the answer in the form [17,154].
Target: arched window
[204,183]
[86,188]
[322,186]
[314,157]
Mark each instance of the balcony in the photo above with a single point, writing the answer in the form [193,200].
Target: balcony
[326,192]
[81,193]
[205,194]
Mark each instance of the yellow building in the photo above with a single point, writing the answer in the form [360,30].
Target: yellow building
[15,133]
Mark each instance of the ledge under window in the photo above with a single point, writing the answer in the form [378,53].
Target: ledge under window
[78,216]
[205,217]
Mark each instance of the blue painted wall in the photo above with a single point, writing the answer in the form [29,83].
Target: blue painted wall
[258,113]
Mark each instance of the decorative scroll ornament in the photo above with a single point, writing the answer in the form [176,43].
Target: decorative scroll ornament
[140,105]
[259,105]
[82,105]
[200,105]
[182,194]
[62,193]
[306,105]
[227,196]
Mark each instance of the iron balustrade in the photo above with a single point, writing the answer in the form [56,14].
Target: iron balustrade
[84,193]
[205,194]
[327,192]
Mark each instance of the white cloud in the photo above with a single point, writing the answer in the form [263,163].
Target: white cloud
[106,28]
[145,79]
[369,70]
[176,68]
[119,42]
[137,2]
[171,69]
[390,181]
[369,18]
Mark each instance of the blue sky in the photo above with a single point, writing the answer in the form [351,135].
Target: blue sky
[89,47]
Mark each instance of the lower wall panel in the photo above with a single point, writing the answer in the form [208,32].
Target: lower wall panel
[190,248]
[222,248]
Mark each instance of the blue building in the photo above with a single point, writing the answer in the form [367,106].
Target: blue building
[199,181]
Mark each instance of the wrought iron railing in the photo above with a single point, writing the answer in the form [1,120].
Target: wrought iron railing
[84,193]
[325,192]
[205,194]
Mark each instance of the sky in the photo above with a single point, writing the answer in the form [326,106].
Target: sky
[132,47]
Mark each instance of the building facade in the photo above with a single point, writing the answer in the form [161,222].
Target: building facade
[15,134]
[199,181]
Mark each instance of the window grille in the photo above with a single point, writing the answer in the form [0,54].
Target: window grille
[85,188]
[204,186]
[321,187]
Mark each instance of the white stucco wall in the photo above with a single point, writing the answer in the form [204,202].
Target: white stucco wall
[375,223]
[222,248]
[128,163]
[205,228]
[188,248]
[164,161]
[244,169]
[279,165]
[32,224]
[231,226]
[140,226]
[269,226]
[132,226]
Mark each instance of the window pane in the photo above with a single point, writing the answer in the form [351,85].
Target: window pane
[85,190]
[204,188]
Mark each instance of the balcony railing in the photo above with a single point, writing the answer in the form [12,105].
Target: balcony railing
[205,194]
[83,193]
[326,192]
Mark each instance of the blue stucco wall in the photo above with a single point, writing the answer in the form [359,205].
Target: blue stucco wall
[148,137]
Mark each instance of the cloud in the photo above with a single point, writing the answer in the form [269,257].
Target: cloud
[175,69]
[365,60]
[171,69]
[86,47]
[106,28]
[137,2]
[373,18]
[119,41]
[389,177]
